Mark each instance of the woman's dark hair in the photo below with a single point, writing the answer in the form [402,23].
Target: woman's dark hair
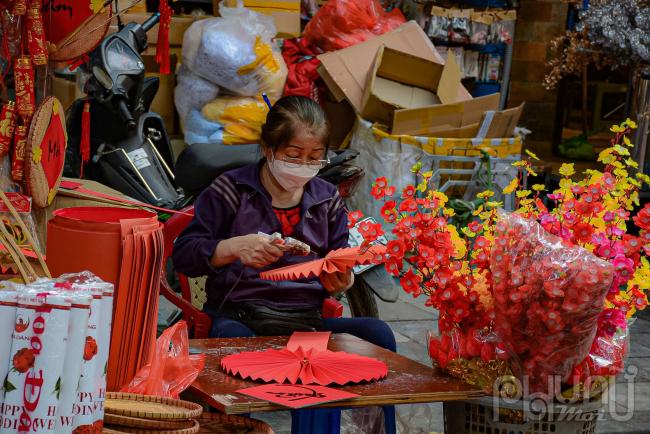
[290,115]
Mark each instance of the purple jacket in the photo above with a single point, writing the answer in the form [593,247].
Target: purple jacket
[236,204]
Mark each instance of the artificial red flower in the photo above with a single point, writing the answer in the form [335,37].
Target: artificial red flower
[396,249]
[409,205]
[353,218]
[586,205]
[583,231]
[388,211]
[408,192]
[370,231]
[377,192]
[631,244]
[642,219]
[389,191]
[393,266]
[411,283]
[381,182]
[475,226]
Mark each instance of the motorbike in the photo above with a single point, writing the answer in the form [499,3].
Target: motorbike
[130,150]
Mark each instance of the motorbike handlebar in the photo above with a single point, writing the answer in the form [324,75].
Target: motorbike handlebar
[125,114]
[151,22]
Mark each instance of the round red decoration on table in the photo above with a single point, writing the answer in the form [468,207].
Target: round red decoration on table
[46,152]
[310,367]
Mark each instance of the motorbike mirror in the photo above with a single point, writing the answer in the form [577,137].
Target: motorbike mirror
[102,77]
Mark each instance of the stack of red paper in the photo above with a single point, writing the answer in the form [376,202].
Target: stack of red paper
[125,247]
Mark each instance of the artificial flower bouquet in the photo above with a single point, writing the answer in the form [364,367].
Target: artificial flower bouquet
[545,292]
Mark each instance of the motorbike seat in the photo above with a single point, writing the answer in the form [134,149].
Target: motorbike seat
[199,164]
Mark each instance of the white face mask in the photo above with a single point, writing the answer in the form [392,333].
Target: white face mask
[289,177]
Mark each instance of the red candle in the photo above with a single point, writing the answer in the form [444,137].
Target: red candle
[24,85]
[7,124]
[36,36]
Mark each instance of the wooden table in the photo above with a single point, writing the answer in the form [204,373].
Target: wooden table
[408,382]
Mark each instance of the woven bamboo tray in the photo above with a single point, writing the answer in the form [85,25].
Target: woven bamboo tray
[136,422]
[150,407]
[219,423]
[123,429]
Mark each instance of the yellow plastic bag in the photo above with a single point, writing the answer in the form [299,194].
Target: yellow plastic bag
[241,117]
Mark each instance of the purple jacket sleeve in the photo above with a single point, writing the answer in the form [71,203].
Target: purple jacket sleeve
[194,247]
[338,224]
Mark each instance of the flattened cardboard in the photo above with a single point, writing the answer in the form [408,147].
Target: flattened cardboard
[346,71]
[500,124]
[400,80]
[426,121]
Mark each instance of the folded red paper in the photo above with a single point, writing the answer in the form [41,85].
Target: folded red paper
[336,261]
[296,395]
[308,367]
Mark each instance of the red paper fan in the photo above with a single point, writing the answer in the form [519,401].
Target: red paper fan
[335,261]
[310,367]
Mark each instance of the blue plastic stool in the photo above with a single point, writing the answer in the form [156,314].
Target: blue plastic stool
[328,421]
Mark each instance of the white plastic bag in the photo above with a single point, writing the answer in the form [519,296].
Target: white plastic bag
[236,52]
[192,92]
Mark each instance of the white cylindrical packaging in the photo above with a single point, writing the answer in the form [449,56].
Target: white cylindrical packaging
[8,303]
[103,343]
[77,331]
[54,315]
[20,365]
[84,410]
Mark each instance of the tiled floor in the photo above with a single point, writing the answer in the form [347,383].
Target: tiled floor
[411,320]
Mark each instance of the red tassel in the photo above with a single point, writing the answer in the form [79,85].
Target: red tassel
[7,125]
[84,144]
[162,47]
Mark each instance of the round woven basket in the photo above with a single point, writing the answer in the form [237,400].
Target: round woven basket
[220,423]
[136,422]
[125,429]
[150,407]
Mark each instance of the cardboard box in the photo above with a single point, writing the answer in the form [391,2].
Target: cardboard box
[66,91]
[346,71]
[400,80]
[285,13]
[163,103]
[498,124]
[341,118]
[429,120]
[177,27]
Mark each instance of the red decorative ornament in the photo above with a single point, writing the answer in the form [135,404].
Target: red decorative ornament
[20,7]
[308,367]
[24,86]
[84,145]
[36,36]
[18,156]
[162,47]
[338,260]
[7,126]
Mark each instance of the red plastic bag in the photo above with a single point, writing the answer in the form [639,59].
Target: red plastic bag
[342,23]
[172,368]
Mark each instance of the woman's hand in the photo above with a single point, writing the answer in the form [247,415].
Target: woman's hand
[253,250]
[337,282]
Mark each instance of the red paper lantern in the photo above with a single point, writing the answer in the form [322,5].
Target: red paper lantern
[18,156]
[36,36]
[24,85]
[7,126]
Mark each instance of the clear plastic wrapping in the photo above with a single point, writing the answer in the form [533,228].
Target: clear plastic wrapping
[198,129]
[236,52]
[548,298]
[192,92]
